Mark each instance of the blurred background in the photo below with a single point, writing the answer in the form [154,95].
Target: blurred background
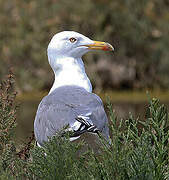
[139,31]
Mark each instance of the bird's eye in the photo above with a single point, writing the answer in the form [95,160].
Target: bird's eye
[72,40]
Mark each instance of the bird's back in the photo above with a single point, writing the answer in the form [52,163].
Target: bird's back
[63,106]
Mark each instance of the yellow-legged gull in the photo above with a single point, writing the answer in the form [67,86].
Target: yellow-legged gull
[70,100]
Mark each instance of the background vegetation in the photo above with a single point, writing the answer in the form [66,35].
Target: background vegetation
[138,30]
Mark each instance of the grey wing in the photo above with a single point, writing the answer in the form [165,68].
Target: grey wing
[64,107]
[94,112]
[50,119]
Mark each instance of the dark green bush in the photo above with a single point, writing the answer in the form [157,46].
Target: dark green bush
[11,166]
[7,125]
[138,150]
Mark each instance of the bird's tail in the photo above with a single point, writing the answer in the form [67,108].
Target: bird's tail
[85,126]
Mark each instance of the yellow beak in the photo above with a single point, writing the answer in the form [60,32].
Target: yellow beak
[98,45]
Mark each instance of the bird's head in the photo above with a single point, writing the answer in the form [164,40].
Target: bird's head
[73,44]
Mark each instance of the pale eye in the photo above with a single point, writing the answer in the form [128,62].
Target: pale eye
[72,40]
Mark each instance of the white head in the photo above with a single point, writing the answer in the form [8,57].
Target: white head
[73,45]
[64,54]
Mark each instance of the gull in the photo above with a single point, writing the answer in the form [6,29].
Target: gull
[70,101]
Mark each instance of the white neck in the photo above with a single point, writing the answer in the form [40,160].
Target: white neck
[70,71]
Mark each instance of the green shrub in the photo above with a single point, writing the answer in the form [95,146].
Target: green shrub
[138,150]
[11,166]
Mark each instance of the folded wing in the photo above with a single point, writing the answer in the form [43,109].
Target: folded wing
[73,106]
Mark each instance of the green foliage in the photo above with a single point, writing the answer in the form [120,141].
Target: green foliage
[7,123]
[7,111]
[138,149]
[11,166]
[138,30]
[58,159]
